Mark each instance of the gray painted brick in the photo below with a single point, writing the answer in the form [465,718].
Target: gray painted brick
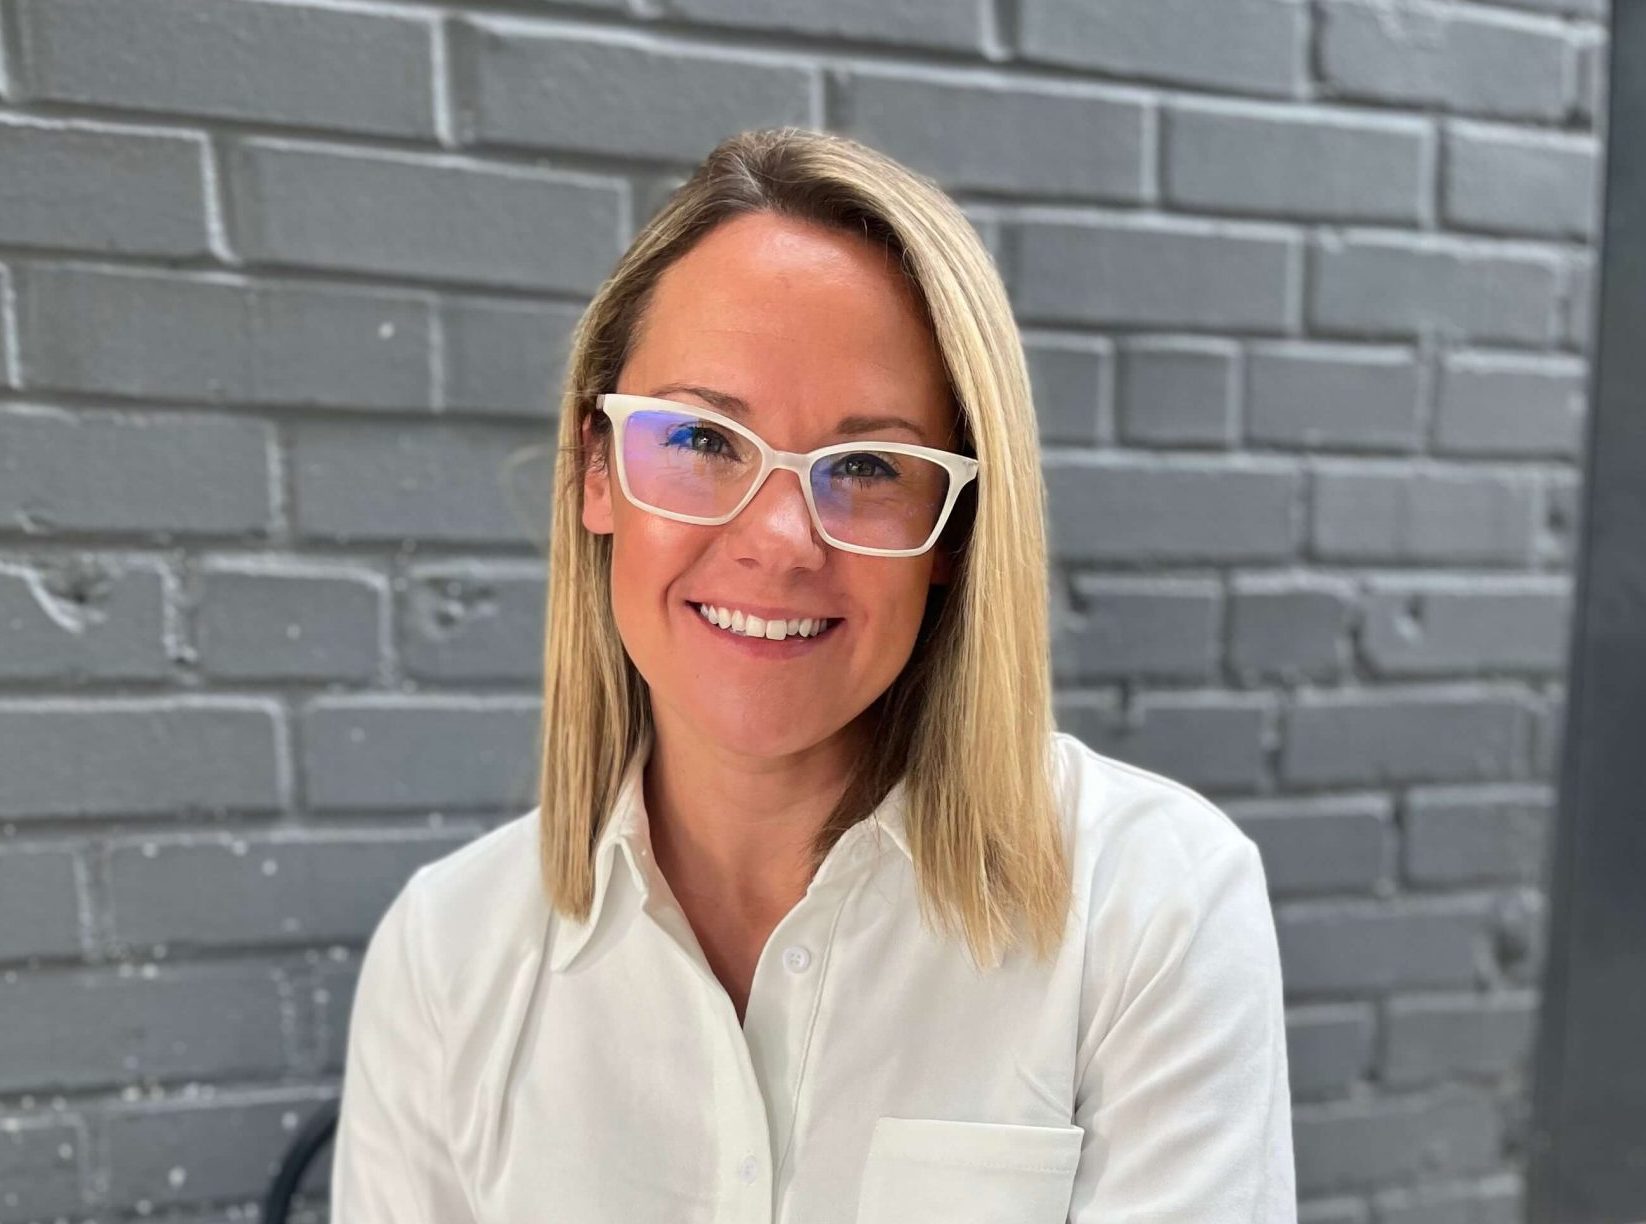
[1393,736]
[221,338]
[1363,947]
[1319,844]
[1511,404]
[1578,305]
[80,617]
[1548,736]
[128,757]
[1209,741]
[1329,1048]
[1280,161]
[134,474]
[926,23]
[99,1028]
[383,752]
[1355,1145]
[1349,397]
[1453,1037]
[1495,1199]
[1177,391]
[474,621]
[1574,8]
[262,620]
[184,1152]
[505,357]
[1590,88]
[981,130]
[435,482]
[1071,378]
[1434,624]
[1140,627]
[1289,627]
[201,891]
[1522,936]
[619,93]
[390,213]
[1433,515]
[365,72]
[1415,53]
[1429,285]
[1333,1211]
[1159,272]
[1243,45]
[8,296]
[1509,180]
[39,901]
[1560,517]
[1109,508]
[41,1159]
[1465,836]
[334,992]
[101,188]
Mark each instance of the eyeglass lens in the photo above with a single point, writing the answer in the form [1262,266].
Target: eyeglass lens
[678,462]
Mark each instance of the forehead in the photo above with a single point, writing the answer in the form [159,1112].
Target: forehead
[776,310]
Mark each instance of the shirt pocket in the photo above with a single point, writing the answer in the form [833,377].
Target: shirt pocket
[937,1171]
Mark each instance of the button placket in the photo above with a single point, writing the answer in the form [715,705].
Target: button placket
[783,1007]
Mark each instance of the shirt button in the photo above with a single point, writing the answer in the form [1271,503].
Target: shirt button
[749,1169]
[797,958]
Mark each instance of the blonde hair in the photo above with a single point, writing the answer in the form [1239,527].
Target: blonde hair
[967,723]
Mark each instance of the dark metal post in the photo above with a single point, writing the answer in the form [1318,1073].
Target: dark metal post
[1587,1160]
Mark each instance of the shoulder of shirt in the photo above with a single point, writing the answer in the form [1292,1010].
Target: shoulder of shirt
[1138,833]
[480,905]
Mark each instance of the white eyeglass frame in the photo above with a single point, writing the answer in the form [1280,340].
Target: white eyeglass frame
[619,407]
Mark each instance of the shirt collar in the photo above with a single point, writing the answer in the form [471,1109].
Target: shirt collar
[627,835]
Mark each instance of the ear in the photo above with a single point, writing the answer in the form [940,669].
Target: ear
[597,488]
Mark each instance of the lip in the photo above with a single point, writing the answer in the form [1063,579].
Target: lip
[763,647]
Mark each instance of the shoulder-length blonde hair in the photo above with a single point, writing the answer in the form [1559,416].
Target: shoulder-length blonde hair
[967,724]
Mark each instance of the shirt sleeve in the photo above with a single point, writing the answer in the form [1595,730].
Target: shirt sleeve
[1185,1099]
[391,1163]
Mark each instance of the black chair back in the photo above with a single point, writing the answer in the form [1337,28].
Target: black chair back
[305,1146]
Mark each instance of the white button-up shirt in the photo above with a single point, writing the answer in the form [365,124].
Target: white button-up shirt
[506,1066]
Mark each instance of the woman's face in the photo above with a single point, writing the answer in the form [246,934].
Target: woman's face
[807,326]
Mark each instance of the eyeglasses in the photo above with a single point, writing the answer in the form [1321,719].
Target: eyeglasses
[882,499]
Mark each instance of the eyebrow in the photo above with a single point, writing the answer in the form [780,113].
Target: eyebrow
[732,405]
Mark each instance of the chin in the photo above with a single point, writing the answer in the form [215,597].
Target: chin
[761,730]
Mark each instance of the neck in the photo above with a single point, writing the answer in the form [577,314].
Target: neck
[733,829]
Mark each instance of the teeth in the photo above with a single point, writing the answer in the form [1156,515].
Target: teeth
[754,626]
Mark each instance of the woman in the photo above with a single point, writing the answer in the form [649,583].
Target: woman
[819,919]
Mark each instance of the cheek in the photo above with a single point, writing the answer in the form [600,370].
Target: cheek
[648,554]
[894,596]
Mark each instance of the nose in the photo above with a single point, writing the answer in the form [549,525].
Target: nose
[776,524]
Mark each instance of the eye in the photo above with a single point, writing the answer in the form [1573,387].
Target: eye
[861,465]
[688,437]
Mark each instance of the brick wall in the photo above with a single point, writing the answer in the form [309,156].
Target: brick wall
[284,288]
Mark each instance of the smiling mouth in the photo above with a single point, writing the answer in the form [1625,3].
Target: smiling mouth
[736,623]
